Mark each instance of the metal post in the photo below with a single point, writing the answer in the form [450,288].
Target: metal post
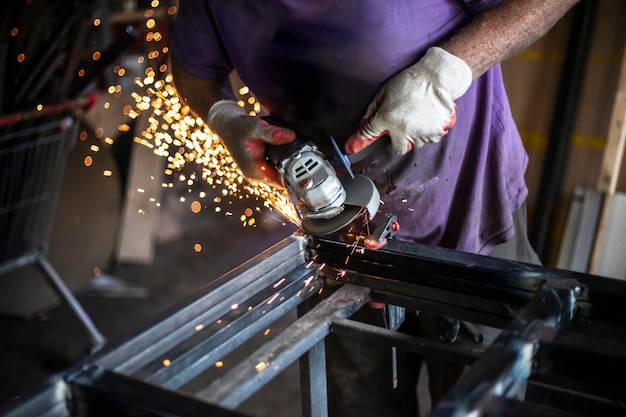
[313,387]
[562,125]
[96,338]
[313,382]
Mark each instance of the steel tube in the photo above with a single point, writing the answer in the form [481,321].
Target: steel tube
[266,362]
[193,356]
[207,305]
[313,381]
[440,280]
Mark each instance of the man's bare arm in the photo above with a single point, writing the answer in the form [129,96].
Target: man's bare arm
[498,33]
[200,94]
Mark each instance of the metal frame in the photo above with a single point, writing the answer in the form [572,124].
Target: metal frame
[552,319]
[33,154]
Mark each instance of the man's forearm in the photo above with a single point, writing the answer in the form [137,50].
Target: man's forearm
[498,33]
[200,94]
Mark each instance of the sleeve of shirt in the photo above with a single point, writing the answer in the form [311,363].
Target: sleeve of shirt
[196,43]
[480,5]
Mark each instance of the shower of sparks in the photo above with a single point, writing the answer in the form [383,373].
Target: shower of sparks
[174,133]
[177,135]
[354,247]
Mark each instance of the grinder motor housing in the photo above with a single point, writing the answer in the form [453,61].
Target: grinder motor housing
[313,181]
[326,202]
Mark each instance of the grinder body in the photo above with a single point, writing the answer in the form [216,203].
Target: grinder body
[309,177]
[325,202]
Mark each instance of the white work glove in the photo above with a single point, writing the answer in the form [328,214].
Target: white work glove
[416,106]
[246,138]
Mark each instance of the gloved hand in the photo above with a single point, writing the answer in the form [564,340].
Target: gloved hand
[246,138]
[416,106]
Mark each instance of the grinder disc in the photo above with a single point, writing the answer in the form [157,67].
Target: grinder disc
[321,227]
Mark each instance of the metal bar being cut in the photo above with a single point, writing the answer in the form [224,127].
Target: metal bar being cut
[460,285]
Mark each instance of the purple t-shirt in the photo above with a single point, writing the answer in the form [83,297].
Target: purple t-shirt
[316,65]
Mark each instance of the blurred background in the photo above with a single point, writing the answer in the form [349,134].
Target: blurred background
[137,206]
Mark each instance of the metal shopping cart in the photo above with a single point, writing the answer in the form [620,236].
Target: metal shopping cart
[33,153]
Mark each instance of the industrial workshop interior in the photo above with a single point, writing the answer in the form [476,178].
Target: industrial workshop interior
[142,275]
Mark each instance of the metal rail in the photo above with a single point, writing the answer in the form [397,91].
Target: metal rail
[550,320]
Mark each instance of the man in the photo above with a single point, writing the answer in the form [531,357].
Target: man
[424,72]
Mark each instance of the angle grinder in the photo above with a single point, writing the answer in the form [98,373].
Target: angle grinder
[326,202]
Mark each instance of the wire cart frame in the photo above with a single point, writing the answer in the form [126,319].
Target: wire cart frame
[33,154]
